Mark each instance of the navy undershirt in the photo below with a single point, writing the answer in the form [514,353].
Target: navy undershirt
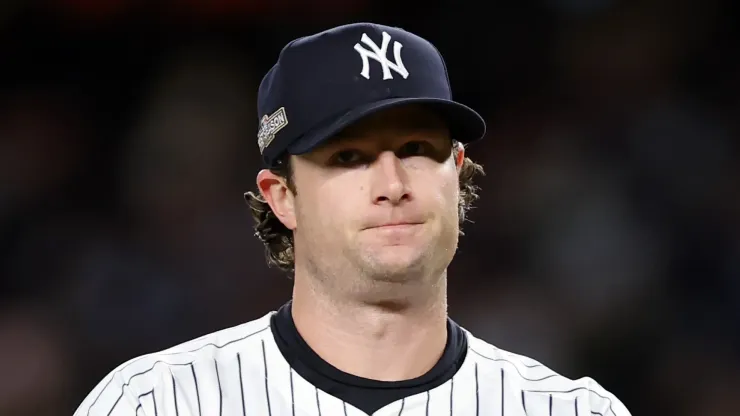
[365,394]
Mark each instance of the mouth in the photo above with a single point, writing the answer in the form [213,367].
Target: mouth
[394,226]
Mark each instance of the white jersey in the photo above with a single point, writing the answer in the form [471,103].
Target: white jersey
[240,371]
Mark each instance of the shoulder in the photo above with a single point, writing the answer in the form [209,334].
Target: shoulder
[140,375]
[533,380]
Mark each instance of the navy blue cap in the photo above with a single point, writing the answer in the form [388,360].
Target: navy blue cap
[325,82]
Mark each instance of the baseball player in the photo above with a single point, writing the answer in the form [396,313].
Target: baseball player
[364,189]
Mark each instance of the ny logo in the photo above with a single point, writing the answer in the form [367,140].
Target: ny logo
[379,54]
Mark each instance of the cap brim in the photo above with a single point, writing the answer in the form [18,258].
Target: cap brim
[465,124]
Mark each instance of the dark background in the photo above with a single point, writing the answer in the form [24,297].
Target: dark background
[606,242]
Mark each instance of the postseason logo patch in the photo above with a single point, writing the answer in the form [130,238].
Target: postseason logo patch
[269,126]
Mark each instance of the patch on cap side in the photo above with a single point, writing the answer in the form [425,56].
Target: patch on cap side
[269,126]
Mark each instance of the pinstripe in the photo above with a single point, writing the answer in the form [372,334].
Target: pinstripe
[477,392]
[452,389]
[114,405]
[220,390]
[267,390]
[197,391]
[292,396]
[154,401]
[174,395]
[502,392]
[241,382]
[524,403]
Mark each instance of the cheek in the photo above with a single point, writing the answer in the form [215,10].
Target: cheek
[449,192]
[329,210]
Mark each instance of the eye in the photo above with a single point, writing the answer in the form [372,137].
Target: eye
[346,157]
[416,148]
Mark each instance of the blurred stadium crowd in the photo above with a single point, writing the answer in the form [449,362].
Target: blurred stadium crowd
[606,242]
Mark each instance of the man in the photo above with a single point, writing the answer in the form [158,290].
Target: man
[365,189]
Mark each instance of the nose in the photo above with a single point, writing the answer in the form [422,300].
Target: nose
[390,180]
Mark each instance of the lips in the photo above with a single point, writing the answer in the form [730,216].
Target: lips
[394,225]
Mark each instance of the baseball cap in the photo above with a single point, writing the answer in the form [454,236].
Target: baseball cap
[323,83]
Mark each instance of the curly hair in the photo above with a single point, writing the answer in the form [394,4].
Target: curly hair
[278,239]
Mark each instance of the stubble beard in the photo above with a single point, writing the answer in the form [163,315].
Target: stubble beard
[363,272]
[375,273]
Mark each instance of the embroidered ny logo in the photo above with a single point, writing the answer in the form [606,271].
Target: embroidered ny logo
[379,54]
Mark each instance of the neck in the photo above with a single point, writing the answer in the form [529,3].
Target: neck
[390,340]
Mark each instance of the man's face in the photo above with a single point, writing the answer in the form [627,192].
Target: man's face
[379,201]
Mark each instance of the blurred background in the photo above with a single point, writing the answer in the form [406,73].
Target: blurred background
[606,242]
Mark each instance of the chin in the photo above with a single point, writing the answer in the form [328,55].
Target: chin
[398,264]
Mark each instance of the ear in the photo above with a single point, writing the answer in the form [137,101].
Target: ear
[280,198]
[459,153]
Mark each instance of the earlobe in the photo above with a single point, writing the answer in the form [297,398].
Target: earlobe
[277,194]
[459,155]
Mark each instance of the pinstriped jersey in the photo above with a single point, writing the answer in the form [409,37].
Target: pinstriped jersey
[240,371]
